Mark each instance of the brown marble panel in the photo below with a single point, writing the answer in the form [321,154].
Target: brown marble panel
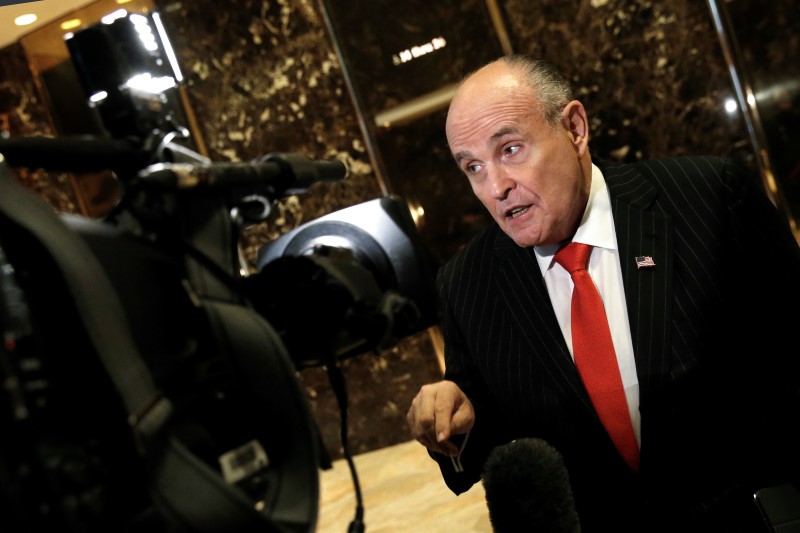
[263,78]
[651,73]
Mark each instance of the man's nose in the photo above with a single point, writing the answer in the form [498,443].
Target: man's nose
[500,182]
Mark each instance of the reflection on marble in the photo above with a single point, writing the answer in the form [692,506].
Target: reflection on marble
[423,171]
[397,51]
[263,76]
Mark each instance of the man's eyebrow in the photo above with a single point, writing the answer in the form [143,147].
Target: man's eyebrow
[458,156]
[464,154]
[505,130]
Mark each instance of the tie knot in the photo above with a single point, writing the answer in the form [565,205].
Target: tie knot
[574,256]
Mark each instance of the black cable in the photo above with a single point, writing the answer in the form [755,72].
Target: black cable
[336,378]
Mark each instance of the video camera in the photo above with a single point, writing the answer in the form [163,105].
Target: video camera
[149,380]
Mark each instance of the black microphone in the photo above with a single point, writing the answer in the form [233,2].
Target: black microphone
[527,489]
[281,174]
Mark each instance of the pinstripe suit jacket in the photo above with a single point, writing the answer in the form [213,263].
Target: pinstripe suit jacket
[713,327]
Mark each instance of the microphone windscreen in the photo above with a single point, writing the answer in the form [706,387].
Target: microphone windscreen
[527,489]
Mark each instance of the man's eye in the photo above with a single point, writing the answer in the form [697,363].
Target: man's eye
[513,149]
[472,168]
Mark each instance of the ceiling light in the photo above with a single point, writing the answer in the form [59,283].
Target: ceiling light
[70,24]
[24,20]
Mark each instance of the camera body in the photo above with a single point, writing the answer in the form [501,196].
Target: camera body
[142,362]
[359,275]
[141,396]
[149,382]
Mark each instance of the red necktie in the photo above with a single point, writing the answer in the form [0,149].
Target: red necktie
[594,352]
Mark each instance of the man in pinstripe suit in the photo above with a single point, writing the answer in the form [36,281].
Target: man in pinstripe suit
[700,278]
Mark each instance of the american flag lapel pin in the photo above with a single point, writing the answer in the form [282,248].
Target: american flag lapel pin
[644,261]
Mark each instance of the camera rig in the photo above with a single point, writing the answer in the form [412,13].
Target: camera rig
[149,377]
[149,383]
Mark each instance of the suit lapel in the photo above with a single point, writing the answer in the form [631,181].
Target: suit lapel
[522,287]
[642,231]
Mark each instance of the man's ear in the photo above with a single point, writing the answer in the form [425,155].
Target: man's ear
[576,125]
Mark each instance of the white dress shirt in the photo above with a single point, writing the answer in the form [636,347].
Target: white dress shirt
[597,229]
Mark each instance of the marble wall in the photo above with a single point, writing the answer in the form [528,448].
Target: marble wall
[264,76]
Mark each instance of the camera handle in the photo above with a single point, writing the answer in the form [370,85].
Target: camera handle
[178,195]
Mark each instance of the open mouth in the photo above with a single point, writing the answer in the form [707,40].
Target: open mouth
[517,211]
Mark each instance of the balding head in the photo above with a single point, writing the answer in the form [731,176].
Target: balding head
[523,73]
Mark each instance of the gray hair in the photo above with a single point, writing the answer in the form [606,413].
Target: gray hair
[551,88]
